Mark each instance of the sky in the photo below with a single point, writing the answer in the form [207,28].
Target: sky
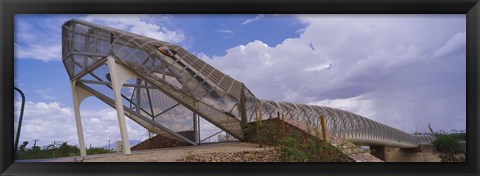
[405,71]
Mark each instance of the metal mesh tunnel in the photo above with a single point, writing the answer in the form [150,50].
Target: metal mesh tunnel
[172,86]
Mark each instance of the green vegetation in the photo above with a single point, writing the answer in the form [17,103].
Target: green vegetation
[292,144]
[54,150]
[448,143]
[291,148]
[268,133]
[296,148]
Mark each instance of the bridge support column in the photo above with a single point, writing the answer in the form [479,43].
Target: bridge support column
[79,95]
[196,136]
[378,151]
[118,76]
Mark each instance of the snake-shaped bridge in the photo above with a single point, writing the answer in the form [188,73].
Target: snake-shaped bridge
[162,87]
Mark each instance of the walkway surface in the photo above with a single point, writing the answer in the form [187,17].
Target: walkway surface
[159,155]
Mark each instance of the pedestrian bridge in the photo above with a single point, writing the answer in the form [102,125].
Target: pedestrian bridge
[166,89]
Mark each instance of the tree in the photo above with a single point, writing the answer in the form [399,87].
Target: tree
[448,144]
[23,146]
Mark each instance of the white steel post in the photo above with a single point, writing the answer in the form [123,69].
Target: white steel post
[118,76]
[79,95]
[195,129]
[198,129]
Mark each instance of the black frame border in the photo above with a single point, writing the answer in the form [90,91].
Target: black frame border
[8,8]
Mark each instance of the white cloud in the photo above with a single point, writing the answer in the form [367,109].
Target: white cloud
[224,31]
[94,120]
[454,44]
[39,51]
[17,82]
[25,29]
[320,67]
[47,122]
[362,49]
[51,121]
[38,39]
[138,25]
[46,94]
[351,60]
[251,20]
[354,104]
[227,33]
[41,39]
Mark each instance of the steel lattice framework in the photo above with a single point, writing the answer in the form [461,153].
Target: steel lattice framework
[172,86]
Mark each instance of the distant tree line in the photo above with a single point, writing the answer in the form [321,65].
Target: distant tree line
[56,149]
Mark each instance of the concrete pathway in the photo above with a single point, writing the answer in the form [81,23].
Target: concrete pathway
[116,155]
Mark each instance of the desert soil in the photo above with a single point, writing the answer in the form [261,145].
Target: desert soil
[180,153]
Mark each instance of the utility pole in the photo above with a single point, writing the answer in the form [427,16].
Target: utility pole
[54,148]
[109,144]
[35,142]
[416,130]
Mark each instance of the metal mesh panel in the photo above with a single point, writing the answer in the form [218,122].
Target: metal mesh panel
[156,103]
[178,119]
[342,123]
[82,47]
[251,103]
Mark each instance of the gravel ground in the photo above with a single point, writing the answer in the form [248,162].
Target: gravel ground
[179,153]
[352,150]
[266,155]
[396,155]
[229,152]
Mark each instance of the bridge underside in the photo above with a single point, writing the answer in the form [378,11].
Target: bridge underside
[166,89]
